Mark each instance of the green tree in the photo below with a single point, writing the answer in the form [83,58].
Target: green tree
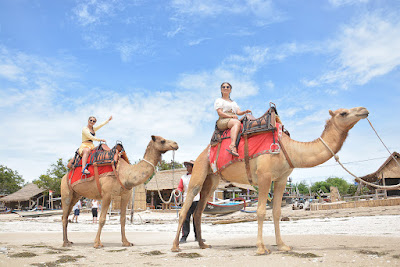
[52,179]
[10,181]
[321,185]
[340,183]
[352,189]
[163,165]
[302,187]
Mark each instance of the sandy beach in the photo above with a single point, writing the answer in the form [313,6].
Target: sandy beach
[356,237]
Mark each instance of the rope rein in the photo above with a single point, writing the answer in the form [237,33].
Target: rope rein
[175,193]
[361,181]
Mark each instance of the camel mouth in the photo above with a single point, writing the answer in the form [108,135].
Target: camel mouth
[364,115]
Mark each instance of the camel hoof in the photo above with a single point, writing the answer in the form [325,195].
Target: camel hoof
[98,245]
[127,244]
[284,248]
[204,246]
[263,252]
[176,249]
[67,244]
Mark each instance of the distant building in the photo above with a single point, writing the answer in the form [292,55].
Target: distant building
[388,174]
[27,197]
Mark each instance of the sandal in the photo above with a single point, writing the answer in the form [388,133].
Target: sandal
[233,153]
[86,172]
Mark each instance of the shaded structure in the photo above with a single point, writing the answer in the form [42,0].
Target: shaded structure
[387,174]
[27,197]
[168,180]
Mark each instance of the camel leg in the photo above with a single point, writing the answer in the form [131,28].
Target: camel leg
[199,174]
[279,187]
[106,200]
[68,200]
[264,184]
[124,202]
[209,186]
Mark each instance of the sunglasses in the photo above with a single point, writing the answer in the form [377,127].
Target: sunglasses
[92,121]
[227,87]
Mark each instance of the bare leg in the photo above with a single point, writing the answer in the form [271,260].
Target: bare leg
[199,174]
[279,187]
[124,202]
[209,186]
[106,200]
[85,155]
[264,184]
[234,125]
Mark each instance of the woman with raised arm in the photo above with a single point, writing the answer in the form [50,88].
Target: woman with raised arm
[228,111]
[88,136]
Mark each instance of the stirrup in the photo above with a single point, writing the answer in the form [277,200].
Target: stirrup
[277,150]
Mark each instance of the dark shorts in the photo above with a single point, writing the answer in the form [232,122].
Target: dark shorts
[76,212]
[94,212]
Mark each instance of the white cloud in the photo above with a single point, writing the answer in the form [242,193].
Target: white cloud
[198,41]
[339,3]
[263,11]
[92,12]
[363,50]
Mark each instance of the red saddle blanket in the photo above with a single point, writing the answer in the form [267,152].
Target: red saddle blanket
[75,175]
[259,144]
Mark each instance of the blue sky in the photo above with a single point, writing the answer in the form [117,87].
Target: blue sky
[156,66]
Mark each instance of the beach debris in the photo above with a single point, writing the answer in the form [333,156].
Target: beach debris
[116,250]
[301,255]
[23,255]
[372,253]
[152,253]
[3,250]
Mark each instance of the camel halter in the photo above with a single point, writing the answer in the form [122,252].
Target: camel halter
[176,193]
[361,181]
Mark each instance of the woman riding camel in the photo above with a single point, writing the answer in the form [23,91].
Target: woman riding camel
[88,136]
[228,111]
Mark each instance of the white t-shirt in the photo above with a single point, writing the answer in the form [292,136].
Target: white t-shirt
[77,206]
[185,180]
[95,204]
[226,105]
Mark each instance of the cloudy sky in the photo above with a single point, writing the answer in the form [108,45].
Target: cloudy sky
[156,67]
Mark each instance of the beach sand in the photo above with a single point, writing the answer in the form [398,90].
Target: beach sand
[351,237]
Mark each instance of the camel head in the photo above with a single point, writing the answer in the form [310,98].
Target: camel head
[163,145]
[344,119]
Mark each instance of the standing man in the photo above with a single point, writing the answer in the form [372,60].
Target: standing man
[95,206]
[183,187]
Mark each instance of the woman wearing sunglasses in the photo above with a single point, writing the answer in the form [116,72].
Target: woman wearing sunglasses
[88,136]
[228,111]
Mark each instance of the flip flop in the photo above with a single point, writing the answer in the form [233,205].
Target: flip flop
[232,153]
[86,172]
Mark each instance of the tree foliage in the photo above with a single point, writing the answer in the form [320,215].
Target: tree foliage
[10,181]
[163,165]
[302,187]
[52,179]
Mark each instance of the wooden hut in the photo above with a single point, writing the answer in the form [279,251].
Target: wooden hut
[168,180]
[27,197]
[387,174]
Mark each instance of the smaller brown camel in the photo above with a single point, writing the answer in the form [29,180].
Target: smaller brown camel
[265,169]
[129,175]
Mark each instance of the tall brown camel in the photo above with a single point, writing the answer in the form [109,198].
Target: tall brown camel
[265,169]
[129,175]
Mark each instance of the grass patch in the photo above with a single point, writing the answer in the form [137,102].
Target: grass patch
[374,253]
[302,255]
[116,250]
[396,256]
[189,255]
[23,255]
[152,253]
[37,246]
[67,258]
[46,264]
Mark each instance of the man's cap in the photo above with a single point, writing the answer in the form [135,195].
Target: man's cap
[191,162]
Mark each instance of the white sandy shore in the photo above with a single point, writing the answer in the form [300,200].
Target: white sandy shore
[356,237]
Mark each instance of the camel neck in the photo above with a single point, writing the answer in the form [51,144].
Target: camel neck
[310,154]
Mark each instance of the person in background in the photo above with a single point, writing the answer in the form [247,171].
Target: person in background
[77,208]
[183,187]
[95,207]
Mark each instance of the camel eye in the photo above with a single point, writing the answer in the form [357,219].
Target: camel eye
[163,142]
[343,114]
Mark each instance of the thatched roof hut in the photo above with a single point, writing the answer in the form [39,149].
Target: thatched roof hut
[388,173]
[163,180]
[25,194]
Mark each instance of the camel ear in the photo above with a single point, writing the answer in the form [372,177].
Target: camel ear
[153,137]
[331,112]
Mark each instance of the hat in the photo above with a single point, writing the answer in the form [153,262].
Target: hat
[191,162]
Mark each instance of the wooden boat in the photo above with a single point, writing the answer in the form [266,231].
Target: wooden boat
[224,208]
[39,213]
